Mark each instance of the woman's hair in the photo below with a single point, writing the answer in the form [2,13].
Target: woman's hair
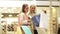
[24,6]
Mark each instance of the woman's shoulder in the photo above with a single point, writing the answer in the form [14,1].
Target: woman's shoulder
[21,14]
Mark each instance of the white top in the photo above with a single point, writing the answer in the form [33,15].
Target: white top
[43,20]
[22,19]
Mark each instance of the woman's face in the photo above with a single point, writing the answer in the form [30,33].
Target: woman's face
[32,9]
[26,9]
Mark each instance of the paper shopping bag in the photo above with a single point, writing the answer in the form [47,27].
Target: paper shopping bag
[26,30]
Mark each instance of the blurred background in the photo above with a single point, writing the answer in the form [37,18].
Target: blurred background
[10,9]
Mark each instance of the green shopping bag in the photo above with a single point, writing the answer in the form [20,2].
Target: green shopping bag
[26,30]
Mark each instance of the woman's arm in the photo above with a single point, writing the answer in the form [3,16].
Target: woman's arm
[20,19]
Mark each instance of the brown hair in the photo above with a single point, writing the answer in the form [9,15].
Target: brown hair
[24,6]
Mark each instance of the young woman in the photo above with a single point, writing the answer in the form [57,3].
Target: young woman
[23,18]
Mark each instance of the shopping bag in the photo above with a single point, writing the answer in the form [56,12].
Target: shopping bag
[26,30]
[36,20]
[19,31]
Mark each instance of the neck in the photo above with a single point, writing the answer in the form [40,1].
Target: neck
[25,13]
[32,12]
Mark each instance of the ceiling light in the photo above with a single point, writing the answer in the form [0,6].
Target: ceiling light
[2,15]
[10,15]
